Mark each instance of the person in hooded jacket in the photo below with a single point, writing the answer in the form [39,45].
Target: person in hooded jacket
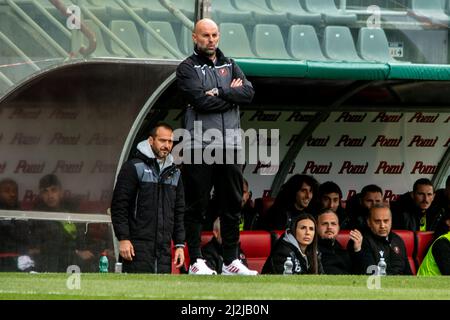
[299,242]
[147,209]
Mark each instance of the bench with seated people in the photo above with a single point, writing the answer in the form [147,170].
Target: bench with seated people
[257,245]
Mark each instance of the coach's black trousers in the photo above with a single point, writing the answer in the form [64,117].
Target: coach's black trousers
[198,180]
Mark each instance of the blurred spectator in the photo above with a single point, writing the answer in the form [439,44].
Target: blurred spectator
[93,239]
[295,197]
[299,242]
[357,207]
[55,240]
[330,196]
[51,196]
[442,198]
[381,242]
[212,251]
[437,259]
[13,233]
[335,259]
[9,195]
[415,210]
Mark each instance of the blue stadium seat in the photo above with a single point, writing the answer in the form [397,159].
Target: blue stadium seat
[303,43]
[295,12]
[224,11]
[338,44]
[154,47]
[373,45]
[431,10]
[234,41]
[108,9]
[187,7]
[330,13]
[268,42]
[261,12]
[128,33]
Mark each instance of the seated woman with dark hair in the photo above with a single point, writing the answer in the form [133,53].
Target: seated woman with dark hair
[298,244]
[296,196]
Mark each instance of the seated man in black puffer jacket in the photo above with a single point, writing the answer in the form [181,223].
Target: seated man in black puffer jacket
[336,259]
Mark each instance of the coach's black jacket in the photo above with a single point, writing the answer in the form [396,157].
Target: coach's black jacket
[394,253]
[148,209]
[198,74]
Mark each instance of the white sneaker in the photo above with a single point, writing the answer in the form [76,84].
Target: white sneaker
[200,268]
[237,268]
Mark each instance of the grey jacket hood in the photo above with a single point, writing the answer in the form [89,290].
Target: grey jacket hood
[289,238]
[145,148]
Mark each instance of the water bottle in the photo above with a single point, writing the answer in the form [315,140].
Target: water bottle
[288,266]
[382,265]
[118,267]
[103,264]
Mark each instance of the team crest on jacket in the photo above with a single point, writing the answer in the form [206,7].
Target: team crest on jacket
[396,250]
[223,72]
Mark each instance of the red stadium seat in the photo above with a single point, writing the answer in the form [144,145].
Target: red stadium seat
[277,233]
[343,237]
[256,247]
[409,239]
[206,237]
[263,204]
[255,244]
[423,241]
[8,255]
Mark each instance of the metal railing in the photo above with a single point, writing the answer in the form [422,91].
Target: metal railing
[77,49]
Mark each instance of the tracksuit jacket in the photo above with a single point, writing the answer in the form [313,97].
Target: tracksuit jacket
[221,112]
[148,209]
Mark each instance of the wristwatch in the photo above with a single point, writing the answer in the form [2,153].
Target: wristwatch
[215,91]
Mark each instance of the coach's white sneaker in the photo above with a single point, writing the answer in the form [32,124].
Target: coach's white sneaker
[237,268]
[200,267]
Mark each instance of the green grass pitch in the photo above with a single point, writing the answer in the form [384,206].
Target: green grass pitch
[26,286]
